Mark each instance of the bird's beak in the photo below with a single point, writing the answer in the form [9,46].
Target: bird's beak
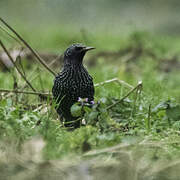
[88,48]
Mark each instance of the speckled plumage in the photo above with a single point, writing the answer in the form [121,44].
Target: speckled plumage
[72,82]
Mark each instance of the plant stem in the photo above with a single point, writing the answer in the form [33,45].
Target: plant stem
[131,91]
[28,46]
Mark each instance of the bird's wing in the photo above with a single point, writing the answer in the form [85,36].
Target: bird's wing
[64,88]
[88,89]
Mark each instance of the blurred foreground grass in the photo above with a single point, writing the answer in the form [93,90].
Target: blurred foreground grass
[130,141]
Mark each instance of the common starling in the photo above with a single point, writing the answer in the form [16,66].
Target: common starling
[72,83]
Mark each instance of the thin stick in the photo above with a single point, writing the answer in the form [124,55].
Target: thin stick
[107,150]
[25,92]
[29,47]
[112,105]
[3,29]
[138,92]
[11,59]
[114,80]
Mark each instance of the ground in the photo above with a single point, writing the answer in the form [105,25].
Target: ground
[138,138]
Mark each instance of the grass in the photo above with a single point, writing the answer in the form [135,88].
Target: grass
[131,140]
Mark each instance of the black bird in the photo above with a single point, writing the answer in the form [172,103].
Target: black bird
[71,83]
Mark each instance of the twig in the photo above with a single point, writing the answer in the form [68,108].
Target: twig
[25,92]
[59,57]
[31,77]
[112,105]
[108,150]
[29,47]
[114,80]
[3,29]
[120,147]
[11,59]
[138,92]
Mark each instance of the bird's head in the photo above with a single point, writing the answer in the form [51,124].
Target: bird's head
[75,53]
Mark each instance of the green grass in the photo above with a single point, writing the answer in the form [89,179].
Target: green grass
[126,141]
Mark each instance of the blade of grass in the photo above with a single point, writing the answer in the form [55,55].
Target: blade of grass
[148,123]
